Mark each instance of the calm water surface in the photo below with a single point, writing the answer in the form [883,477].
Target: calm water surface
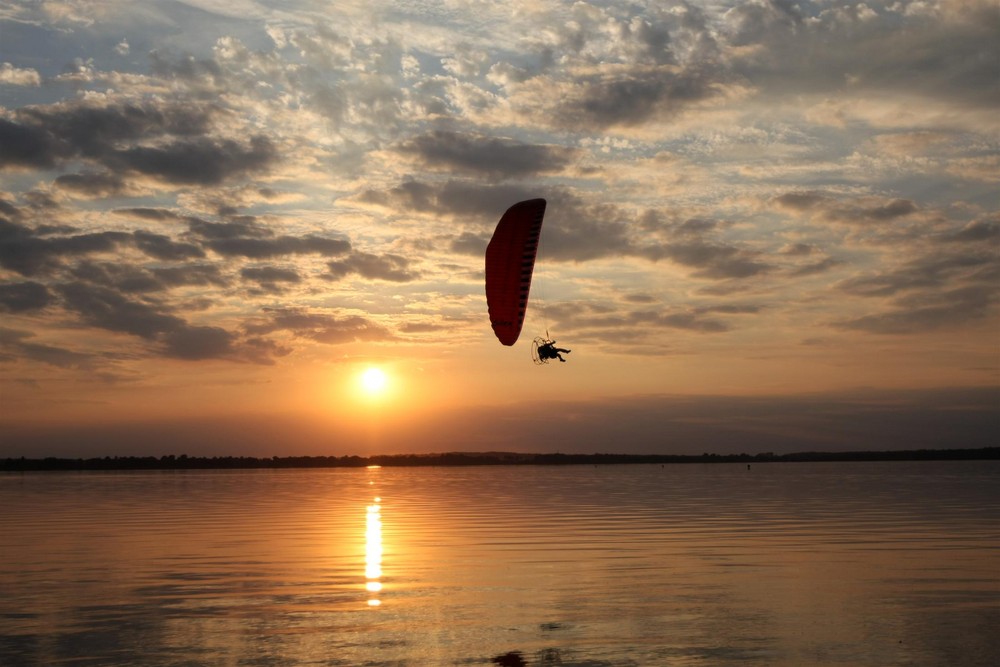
[784,564]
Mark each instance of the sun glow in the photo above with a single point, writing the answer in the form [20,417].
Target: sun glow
[374,381]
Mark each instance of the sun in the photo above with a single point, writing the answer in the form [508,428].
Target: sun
[374,381]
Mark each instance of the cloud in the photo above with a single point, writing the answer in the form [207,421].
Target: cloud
[319,327]
[270,274]
[832,208]
[197,161]
[390,267]
[612,325]
[18,343]
[195,343]
[271,279]
[100,304]
[611,100]
[256,248]
[948,309]
[246,238]
[125,278]
[945,50]
[115,136]
[932,271]
[106,308]
[712,260]
[44,136]
[16,76]
[24,297]
[815,268]
[472,154]
[190,274]
[984,230]
[162,247]
[92,184]
[24,251]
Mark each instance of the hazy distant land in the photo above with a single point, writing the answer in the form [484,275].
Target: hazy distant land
[185,462]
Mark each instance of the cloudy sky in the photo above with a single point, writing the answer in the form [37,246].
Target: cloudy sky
[773,225]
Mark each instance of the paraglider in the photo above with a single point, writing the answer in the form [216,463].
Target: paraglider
[510,261]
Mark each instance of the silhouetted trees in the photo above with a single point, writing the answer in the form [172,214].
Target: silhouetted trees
[185,462]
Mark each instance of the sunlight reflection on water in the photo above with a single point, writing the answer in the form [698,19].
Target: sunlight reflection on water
[373,552]
[787,564]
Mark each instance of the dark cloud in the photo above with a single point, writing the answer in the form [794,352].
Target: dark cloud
[246,238]
[118,137]
[576,231]
[92,184]
[476,154]
[105,308]
[27,146]
[932,271]
[270,274]
[984,230]
[712,260]
[798,249]
[690,320]
[754,22]
[18,344]
[801,201]
[255,248]
[270,279]
[897,208]
[200,161]
[23,251]
[950,308]
[836,209]
[162,247]
[946,51]
[195,343]
[119,276]
[154,214]
[393,268]
[816,268]
[24,297]
[468,243]
[190,274]
[234,229]
[609,324]
[45,136]
[102,304]
[320,327]
[633,97]
[466,200]
[696,227]
[423,327]
[187,67]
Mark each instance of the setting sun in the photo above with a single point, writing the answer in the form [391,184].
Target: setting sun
[374,381]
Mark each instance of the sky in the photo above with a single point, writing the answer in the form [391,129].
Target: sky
[772,225]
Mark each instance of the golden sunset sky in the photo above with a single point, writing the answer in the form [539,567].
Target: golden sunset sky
[771,225]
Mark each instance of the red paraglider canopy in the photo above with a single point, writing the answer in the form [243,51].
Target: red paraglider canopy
[510,259]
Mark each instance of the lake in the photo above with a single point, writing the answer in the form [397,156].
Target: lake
[894,563]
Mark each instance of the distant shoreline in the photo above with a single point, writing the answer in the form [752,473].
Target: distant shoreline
[184,462]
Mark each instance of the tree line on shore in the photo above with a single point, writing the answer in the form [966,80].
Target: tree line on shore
[185,462]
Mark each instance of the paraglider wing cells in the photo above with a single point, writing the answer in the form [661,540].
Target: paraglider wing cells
[510,259]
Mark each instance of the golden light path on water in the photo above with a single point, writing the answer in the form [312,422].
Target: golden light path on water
[373,550]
